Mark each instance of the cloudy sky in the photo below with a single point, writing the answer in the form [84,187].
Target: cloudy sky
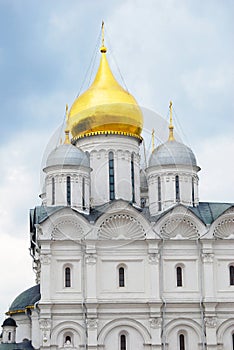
[179,50]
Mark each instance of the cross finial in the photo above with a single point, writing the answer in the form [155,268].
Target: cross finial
[171,127]
[67,139]
[153,144]
[103,49]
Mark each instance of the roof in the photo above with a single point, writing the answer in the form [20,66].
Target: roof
[207,212]
[25,345]
[26,299]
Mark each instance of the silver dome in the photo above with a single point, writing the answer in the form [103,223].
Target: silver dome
[68,155]
[172,153]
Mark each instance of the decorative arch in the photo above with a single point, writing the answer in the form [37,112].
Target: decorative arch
[66,328]
[65,224]
[180,324]
[226,326]
[180,223]
[124,322]
[223,226]
[121,226]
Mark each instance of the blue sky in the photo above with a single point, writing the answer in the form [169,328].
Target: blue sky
[165,50]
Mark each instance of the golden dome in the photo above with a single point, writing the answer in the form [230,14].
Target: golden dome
[105,108]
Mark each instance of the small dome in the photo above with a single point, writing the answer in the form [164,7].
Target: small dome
[27,298]
[68,154]
[9,322]
[172,153]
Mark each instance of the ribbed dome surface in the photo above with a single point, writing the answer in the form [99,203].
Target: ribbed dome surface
[27,298]
[172,153]
[67,155]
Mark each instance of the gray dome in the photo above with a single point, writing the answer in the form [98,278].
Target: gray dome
[172,153]
[68,155]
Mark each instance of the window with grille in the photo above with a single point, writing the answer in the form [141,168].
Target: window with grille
[68,190]
[111,176]
[67,277]
[179,276]
[121,277]
[177,188]
[53,191]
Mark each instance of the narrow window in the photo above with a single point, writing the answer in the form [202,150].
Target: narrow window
[231,270]
[67,277]
[53,191]
[182,342]
[123,345]
[68,190]
[121,277]
[159,195]
[111,176]
[179,276]
[233,341]
[193,195]
[83,193]
[132,178]
[9,336]
[68,340]
[177,188]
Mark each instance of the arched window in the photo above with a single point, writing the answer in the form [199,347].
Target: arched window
[111,176]
[177,188]
[67,340]
[67,277]
[193,194]
[179,276]
[68,190]
[9,336]
[121,277]
[53,191]
[123,343]
[159,195]
[133,178]
[83,193]
[231,272]
[182,342]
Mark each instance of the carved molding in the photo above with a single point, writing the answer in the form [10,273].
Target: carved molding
[92,323]
[91,259]
[179,227]
[153,258]
[45,259]
[210,322]
[45,326]
[121,226]
[155,322]
[208,257]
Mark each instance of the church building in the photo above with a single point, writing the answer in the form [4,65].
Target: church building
[126,257]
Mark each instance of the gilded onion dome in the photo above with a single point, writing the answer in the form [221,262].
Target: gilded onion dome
[105,108]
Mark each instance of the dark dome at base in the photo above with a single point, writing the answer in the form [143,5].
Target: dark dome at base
[27,298]
[9,322]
